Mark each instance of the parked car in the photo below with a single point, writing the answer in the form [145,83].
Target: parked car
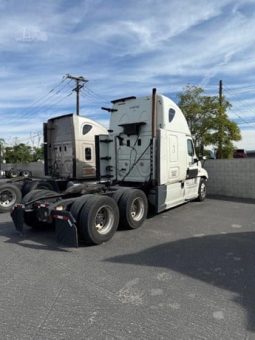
[239,153]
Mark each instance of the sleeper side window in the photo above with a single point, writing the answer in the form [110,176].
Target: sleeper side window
[88,154]
[171,114]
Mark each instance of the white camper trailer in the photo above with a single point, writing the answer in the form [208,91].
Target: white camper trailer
[147,157]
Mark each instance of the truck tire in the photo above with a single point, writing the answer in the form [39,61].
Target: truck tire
[133,207]
[76,207]
[26,173]
[118,193]
[44,185]
[30,216]
[202,190]
[12,173]
[26,187]
[99,219]
[9,196]
[35,185]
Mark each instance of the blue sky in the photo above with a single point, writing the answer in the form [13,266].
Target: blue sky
[124,48]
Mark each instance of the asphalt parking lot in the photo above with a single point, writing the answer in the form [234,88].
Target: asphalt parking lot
[188,273]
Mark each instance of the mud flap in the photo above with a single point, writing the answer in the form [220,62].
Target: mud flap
[17,216]
[65,227]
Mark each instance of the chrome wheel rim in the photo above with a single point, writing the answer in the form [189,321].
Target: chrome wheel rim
[7,198]
[137,209]
[104,219]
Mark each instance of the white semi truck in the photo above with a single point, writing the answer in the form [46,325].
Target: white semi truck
[69,150]
[69,156]
[147,159]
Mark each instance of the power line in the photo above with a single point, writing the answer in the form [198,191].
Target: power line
[44,96]
[93,96]
[42,105]
[251,110]
[97,95]
[47,107]
[248,106]
[25,114]
[60,100]
[247,109]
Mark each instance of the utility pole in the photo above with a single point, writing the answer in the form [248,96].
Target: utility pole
[80,81]
[0,157]
[220,145]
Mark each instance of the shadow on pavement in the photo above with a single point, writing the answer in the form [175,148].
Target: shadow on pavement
[33,239]
[226,261]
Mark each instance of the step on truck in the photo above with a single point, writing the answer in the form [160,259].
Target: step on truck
[146,161]
[69,156]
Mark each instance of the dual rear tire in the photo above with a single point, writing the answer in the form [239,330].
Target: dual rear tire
[98,216]
[133,207]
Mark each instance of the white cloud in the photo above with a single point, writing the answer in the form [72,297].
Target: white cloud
[124,48]
[248,138]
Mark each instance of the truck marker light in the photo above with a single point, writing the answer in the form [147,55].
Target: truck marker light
[61,217]
[41,205]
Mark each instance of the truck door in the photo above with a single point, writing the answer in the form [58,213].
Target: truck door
[192,165]
[191,183]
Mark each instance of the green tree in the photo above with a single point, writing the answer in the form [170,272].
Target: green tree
[206,124]
[20,153]
[38,154]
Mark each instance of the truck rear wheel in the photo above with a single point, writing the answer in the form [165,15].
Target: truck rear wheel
[12,173]
[99,219]
[9,196]
[133,207]
[26,173]
[30,216]
[78,205]
[118,193]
